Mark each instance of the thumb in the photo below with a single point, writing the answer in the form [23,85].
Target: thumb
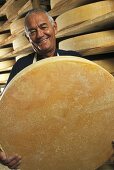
[2,154]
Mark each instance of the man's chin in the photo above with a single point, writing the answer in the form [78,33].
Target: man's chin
[44,51]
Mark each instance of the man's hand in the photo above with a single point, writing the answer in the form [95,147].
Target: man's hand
[12,162]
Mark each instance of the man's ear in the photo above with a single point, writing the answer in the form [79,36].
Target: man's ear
[55,27]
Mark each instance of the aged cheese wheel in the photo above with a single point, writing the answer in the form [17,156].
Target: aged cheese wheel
[66,5]
[5,26]
[89,44]
[84,13]
[20,42]
[28,6]
[5,6]
[17,26]
[4,77]
[15,7]
[5,51]
[6,64]
[107,64]
[3,37]
[59,114]
[27,49]
[53,3]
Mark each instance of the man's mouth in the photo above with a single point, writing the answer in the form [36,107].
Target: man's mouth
[43,40]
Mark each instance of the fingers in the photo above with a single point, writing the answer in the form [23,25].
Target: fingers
[14,162]
[2,156]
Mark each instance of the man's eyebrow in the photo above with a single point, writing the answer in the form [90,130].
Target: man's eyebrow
[43,24]
[29,29]
[33,28]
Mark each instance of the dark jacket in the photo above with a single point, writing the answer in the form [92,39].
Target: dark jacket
[27,60]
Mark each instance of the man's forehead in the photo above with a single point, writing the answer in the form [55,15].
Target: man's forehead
[36,19]
[37,16]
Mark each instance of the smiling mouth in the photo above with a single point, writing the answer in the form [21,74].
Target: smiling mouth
[43,41]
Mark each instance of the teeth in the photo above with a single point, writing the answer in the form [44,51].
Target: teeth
[41,41]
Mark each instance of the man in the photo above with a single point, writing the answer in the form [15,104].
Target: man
[40,29]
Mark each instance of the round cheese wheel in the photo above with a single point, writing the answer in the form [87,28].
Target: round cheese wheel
[6,64]
[89,44]
[3,78]
[17,26]
[5,51]
[58,114]
[84,13]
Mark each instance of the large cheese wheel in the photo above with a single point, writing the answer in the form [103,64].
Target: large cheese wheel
[28,6]
[5,26]
[94,43]
[107,64]
[15,7]
[59,114]
[84,13]
[26,49]
[19,42]
[3,37]
[5,51]
[17,26]
[6,64]
[4,78]
[66,5]
[5,6]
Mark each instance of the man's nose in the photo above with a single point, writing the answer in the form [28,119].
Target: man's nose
[39,33]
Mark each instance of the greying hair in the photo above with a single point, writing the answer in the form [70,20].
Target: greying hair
[38,11]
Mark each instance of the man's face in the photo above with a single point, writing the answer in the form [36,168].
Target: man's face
[41,33]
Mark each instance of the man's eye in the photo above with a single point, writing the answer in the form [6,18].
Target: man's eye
[44,26]
[32,32]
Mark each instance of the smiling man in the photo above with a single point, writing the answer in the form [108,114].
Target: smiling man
[40,30]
